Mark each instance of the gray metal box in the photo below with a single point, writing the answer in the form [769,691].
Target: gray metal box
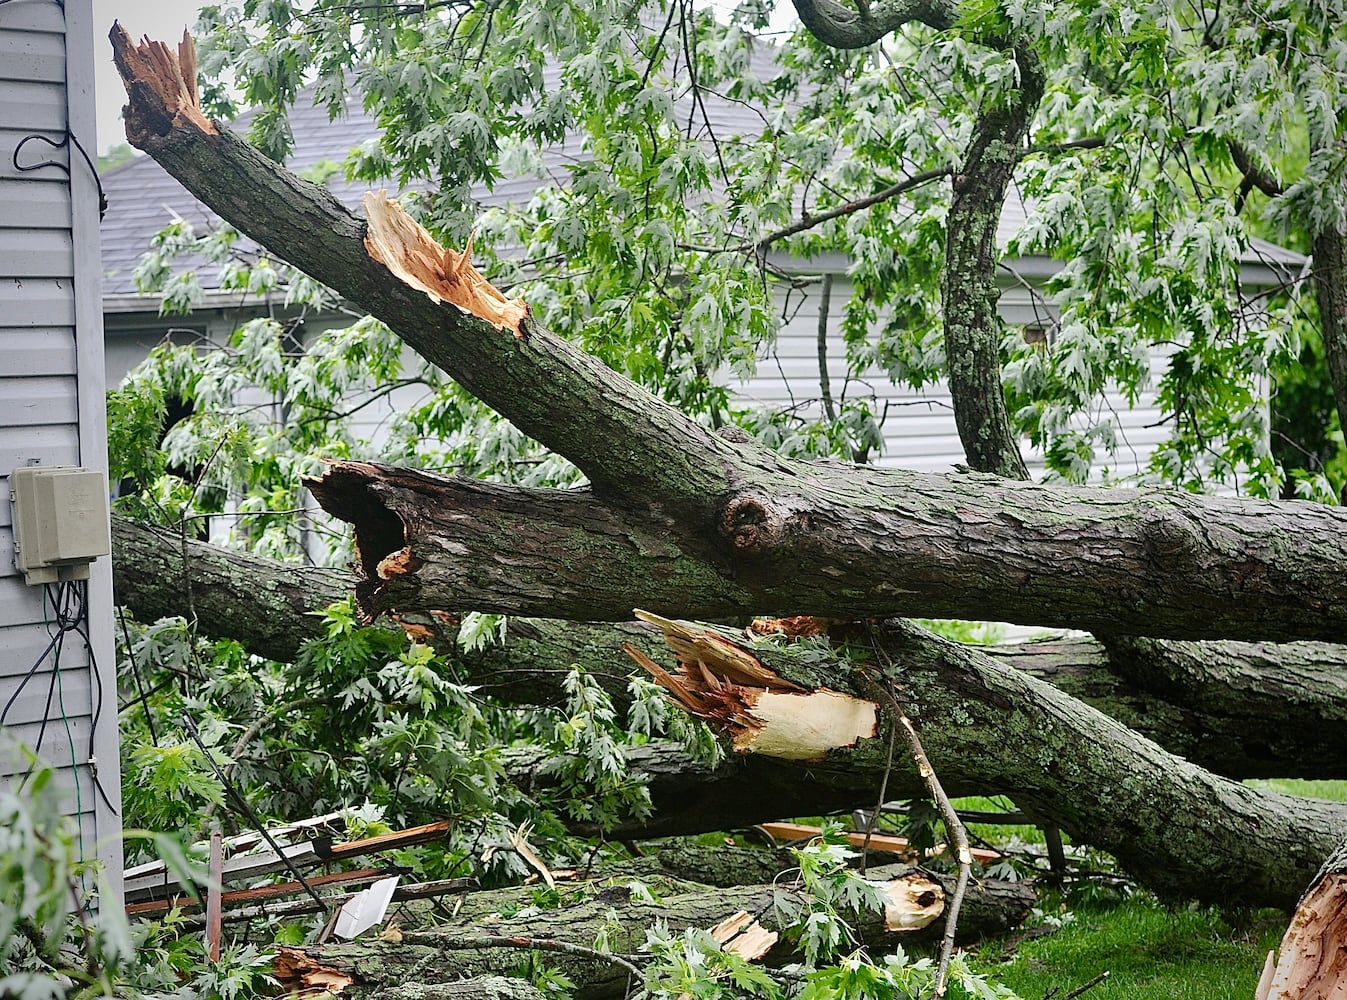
[60,521]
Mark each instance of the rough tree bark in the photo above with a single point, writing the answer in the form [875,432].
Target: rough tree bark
[987,729]
[1244,710]
[710,527]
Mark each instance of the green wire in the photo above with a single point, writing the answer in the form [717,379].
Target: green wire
[74,764]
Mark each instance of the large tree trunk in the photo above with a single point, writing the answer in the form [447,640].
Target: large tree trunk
[478,938]
[701,526]
[1244,710]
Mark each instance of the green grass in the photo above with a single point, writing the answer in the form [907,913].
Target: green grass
[1149,952]
[1335,790]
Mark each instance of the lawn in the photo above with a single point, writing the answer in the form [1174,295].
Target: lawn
[1149,951]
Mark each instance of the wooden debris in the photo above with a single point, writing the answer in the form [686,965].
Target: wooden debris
[403,245]
[720,681]
[796,627]
[744,936]
[911,902]
[148,881]
[789,832]
[299,975]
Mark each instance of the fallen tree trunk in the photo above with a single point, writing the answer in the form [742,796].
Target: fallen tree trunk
[1245,710]
[699,525]
[484,938]
[1179,830]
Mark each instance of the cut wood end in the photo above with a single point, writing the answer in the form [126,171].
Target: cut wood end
[807,726]
[161,84]
[403,245]
[299,974]
[911,902]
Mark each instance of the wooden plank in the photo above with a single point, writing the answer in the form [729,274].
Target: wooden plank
[308,853]
[158,907]
[389,841]
[878,841]
[417,890]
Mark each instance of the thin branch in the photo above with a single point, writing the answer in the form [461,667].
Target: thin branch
[1090,142]
[954,828]
[1265,182]
[893,191]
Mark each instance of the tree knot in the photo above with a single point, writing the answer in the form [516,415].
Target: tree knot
[750,524]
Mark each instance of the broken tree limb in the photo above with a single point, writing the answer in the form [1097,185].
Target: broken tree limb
[1179,830]
[474,940]
[768,535]
[1312,960]
[1245,710]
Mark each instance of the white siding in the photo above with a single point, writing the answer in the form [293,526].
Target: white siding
[51,402]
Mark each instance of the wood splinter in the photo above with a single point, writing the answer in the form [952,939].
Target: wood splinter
[723,683]
[403,245]
[160,82]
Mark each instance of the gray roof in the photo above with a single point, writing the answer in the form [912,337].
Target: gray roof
[143,198]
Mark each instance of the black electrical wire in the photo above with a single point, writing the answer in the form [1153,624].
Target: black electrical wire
[252,816]
[135,674]
[67,139]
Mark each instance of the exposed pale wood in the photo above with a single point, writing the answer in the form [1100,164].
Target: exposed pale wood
[1312,959]
[401,244]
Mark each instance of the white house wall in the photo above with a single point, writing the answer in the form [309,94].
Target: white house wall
[51,404]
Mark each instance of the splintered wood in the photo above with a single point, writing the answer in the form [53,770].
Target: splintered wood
[744,936]
[723,683]
[300,975]
[154,72]
[910,902]
[1313,962]
[402,245]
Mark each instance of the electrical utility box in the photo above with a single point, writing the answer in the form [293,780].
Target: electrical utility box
[60,521]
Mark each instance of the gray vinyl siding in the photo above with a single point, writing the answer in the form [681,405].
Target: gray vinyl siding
[52,406]
[918,424]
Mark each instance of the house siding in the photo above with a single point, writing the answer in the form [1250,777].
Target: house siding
[52,406]
[918,424]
